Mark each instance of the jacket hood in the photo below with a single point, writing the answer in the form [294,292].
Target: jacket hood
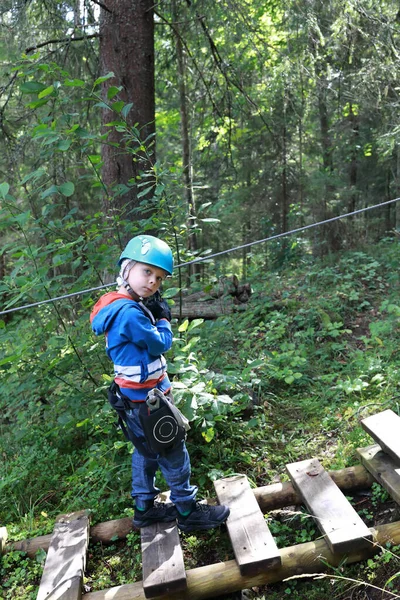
[105,310]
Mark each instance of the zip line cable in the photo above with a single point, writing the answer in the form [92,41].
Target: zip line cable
[204,258]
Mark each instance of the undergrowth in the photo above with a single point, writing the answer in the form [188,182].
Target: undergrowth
[288,378]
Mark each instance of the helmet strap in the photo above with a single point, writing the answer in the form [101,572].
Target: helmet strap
[122,279]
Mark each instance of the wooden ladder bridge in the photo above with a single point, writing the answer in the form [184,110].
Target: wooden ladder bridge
[258,561]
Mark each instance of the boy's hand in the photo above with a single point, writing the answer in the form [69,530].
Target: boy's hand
[159,307]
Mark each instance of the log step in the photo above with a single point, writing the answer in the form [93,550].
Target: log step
[384,428]
[252,541]
[343,529]
[65,563]
[162,560]
[383,467]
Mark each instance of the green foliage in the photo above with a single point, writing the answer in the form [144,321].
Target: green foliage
[293,118]
[231,377]
[20,575]
[114,564]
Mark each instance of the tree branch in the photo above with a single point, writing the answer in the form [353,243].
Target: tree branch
[62,41]
[177,33]
[103,6]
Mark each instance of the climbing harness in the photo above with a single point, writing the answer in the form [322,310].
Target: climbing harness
[164,426]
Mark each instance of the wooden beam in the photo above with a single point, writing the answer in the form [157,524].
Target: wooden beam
[63,572]
[385,470]
[269,497]
[384,427]
[342,527]
[225,578]
[162,559]
[251,539]
[279,495]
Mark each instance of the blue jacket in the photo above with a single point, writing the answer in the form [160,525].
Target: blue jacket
[134,344]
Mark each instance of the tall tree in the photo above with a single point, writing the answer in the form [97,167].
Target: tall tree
[187,166]
[127,50]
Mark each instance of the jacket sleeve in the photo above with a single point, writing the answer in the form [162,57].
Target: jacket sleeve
[137,328]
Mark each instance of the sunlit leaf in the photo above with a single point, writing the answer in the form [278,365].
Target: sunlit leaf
[46,92]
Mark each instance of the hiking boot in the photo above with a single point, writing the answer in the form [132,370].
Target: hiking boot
[203,517]
[160,512]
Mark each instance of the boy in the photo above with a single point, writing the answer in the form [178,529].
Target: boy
[136,338]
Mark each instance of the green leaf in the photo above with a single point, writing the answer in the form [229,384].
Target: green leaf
[95,159]
[118,106]
[37,103]
[46,92]
[74,83]
[208,435]
[64,145]
[4,187]
[33,175]
[114,123]
[183,326]
[210,220]
[126,109]
[31,87]
[102,105]
[145,191]
[23,217]
[53,189]
[195,323]
[119,444]
[103,78]
[171,292]
[67,188]
[113,91]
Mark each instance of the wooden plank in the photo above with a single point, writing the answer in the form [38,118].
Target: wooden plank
[65,563]
[220,579]
[162,560]
[3,538]
[343,529]
[252,541]
[384,428]
[382,466]
[269,497]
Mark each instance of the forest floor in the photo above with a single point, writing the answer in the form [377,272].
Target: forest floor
[316,351]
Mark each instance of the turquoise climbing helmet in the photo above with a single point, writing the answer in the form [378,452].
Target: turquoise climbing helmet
[150,250]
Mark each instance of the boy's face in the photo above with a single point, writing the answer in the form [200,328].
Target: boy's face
[145,279]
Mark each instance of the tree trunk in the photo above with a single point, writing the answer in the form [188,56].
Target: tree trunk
[127,50]
[194,269]
[353,162]
[329,236]
[285,198]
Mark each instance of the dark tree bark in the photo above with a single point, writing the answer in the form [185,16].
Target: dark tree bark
[127,50]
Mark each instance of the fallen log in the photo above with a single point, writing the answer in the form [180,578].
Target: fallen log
[225,578]
[206,310]
[269,497]
[224,298]
[225,286]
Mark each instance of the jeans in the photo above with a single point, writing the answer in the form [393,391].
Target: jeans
[174,465]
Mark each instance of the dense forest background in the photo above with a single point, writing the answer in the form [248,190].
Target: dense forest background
[212,125]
